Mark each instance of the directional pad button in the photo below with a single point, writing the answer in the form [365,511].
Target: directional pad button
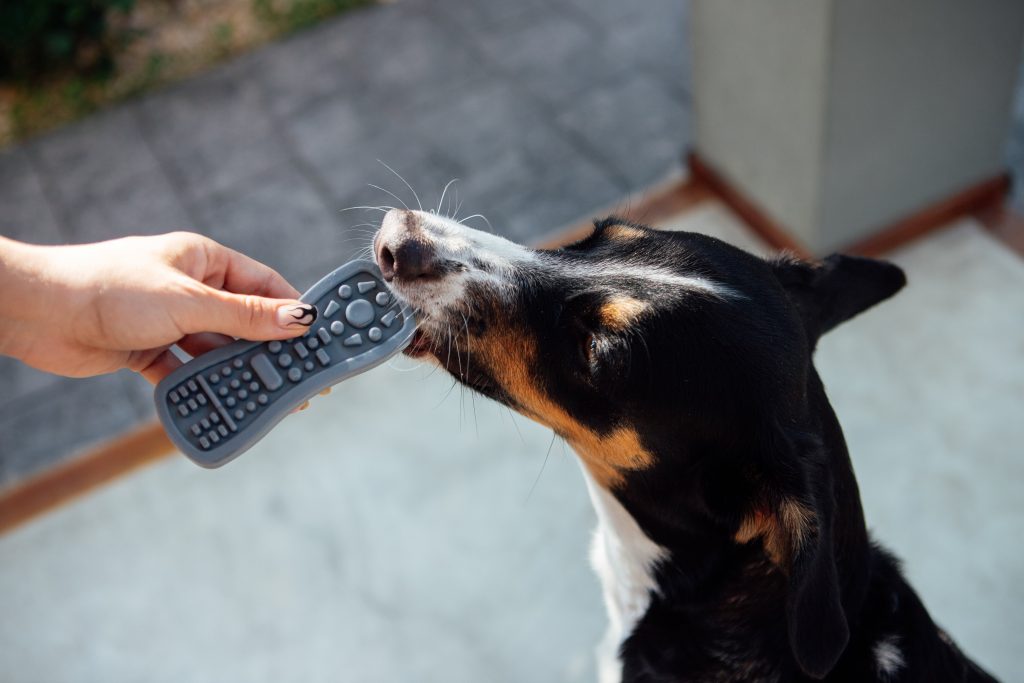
[359,313]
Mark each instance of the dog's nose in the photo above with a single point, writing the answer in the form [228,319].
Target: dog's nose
[403,249]
[407,259]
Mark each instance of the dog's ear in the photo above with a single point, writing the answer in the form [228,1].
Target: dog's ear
[815,619]
[837,289]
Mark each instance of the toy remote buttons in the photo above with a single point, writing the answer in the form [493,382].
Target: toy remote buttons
[220,403]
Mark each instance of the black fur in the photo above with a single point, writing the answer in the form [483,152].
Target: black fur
[723,392]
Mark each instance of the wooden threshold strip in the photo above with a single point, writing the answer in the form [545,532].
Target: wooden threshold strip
[80,475]
[1005,224]
[763,225]
[657,204]
[983,200]
[975,200]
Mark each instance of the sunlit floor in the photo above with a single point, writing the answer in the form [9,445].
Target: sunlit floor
[401,532]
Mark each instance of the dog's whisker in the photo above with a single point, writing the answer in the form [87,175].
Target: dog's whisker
[440,202]
[382,209]
[378,187]
[469,353]
[515,424]
[543,466]
[447,394]
[398,175]
[490,228]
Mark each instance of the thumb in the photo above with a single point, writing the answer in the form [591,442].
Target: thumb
[247,316]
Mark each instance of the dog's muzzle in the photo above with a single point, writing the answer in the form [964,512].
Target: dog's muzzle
[404,250]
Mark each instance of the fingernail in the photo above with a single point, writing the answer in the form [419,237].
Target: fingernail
[291,316]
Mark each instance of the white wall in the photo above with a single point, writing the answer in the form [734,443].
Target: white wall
[918,105]
[841,116]
[759,72]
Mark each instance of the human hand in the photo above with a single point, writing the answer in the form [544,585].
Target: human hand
[90,309]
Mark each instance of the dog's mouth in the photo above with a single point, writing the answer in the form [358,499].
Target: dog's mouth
[446,273]
[419,346]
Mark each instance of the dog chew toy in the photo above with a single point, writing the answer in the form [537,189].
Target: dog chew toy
[217,405]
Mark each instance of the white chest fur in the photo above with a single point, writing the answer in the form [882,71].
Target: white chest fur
[624,558]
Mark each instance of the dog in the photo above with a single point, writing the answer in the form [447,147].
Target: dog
[731,542]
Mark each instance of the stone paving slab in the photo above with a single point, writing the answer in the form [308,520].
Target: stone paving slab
[389,58]
[641,152]
[405,52]
[344,142]
[278,219]
[648,43]
[27,214]
[505,154]
[89,410]
[553,196]
[475,16]
[21,384]
[213,133]
[309,66]
[106,180]
[556,59]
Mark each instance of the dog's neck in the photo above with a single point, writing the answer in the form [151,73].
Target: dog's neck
[629,563]
[624,559]
[711,588]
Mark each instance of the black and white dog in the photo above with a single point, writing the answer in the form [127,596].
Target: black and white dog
[731,543]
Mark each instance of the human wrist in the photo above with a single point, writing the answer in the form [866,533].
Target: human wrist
[30,294]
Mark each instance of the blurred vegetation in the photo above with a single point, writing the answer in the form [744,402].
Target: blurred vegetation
[37,36]
[291,15]
[61,59]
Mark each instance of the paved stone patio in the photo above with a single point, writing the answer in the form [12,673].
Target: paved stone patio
[263,153]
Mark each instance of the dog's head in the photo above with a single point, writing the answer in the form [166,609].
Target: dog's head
[677,366]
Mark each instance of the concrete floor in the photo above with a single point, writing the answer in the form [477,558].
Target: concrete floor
[399,532]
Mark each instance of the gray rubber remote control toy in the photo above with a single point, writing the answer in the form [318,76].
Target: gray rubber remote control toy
[219,404]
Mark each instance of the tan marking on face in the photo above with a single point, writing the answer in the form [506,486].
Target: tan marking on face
[797,519]
[624,233]
[620,311]
[782,531]
[510,357]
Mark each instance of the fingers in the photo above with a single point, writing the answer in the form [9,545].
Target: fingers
[235,295]
[244,275]
[306,403]
[198,344]
[245,316]
[164,364]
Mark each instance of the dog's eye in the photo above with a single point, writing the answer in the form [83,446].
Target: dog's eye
[588,348]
